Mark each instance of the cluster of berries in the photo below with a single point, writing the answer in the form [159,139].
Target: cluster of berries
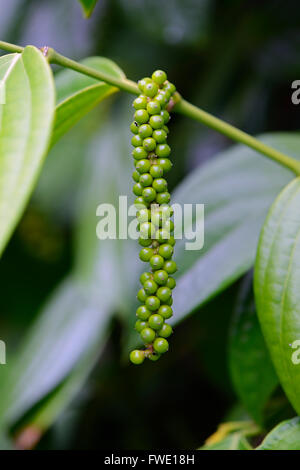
[151,159]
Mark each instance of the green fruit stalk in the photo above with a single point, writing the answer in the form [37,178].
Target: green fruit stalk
[151,159]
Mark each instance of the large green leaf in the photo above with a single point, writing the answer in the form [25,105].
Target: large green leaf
[88,6]
[277,278]
[237,189]
[26,119]
[78,93]
[251,369]
[285,436]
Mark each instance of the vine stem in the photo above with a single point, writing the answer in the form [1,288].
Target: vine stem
[180,106]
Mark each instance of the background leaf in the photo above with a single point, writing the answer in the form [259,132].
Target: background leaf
[28,114]
[251,369]
[285,436]
[235,441]
[277,279]
[88,6]
[78,93]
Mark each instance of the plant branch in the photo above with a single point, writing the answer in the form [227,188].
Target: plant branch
[180,106]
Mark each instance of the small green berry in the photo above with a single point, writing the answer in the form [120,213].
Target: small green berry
[156,321]
[156,171]
[141,295]
[165,250]
[160,136]
[164,294]
[160,185]
[153,107]
[140,325]
[163,198]
[152,304]
[156,122]
[143,166]
[165,163]
[144,277]
[150,89]
[171,283]
[146,254]
[137,141]
[159,77]
[162,235]
[146,229]
[170,302]
[141,116]
[137,357]
[149,144]
[150,287]
[140,102]
[137,189]
[156,262]
[145,241]
[145,131]
[147,335]
[172,240]
[143,82]
[161,345]
[163,97]
[146,179]
[165,115]
[170,266]
[165,331]
[165,311]
[142,312]
[140,203]
[139,153]
[136,176]
[149,194]
[169,87]
[134,127]
[169,225]
[154,357]
[160,277]
[143,215]
[163,150]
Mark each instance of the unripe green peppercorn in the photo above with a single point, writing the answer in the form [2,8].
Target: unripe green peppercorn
[142,83]
[140,102]
[137,141]
[140,202]
[162,235]
[171,283]
[164,294]
[143,166]
[146,180]
[156,122]
[136,176]
[161,345]
[165,311]
[169,225]
[139,153]
[156,171]
[172,240]
[137,357]
[142,312]
[160,185]
[160,136]
[141,295]
[169,302]
[145,276]
[165,331]
[163,150]
[153,107]
[145,241]
[149,194]
[149,144]
[145,130]
[146,229]
[134,127]
[140,325]
[146,254]
[141,116]
[150,287]
[143,215]
[160,277]
[153,357]
[169,87]
[170,266]
[150,89]
[147,335]
[137,189]
[156,321]
[152,304]
[159,77]
[156,262]
[165,163]
[163,198]
[165,115]
[165,250]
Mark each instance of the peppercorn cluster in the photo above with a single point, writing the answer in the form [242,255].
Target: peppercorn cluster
[151,159]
